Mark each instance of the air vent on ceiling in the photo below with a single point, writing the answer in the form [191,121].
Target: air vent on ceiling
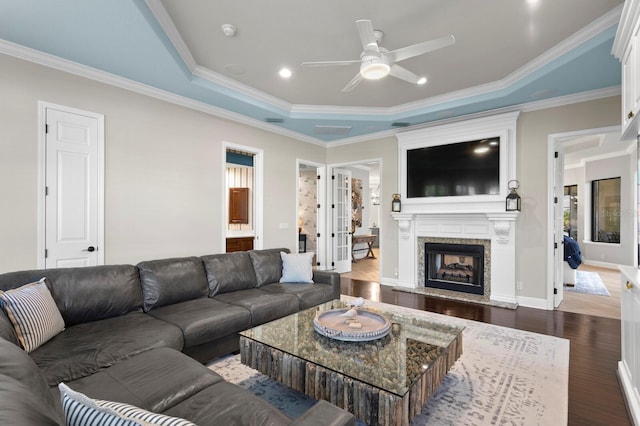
[400,124]
[331,130]
[274,120]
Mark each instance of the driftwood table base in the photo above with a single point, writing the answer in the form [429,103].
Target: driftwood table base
[368,403]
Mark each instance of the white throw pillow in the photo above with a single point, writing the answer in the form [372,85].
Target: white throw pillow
[33,313]
[296,268]
[80,409]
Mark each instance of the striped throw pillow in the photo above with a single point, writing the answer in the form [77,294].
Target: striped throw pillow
[83,411]
[33,313]
[80,410]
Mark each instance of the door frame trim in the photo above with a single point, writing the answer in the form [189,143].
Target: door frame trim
[553,141]
[383,231]
[41,184]
[258,198]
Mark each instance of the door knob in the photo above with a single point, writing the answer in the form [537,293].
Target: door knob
[629,285]
[90,249]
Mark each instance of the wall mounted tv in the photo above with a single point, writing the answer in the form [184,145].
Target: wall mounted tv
[457,169]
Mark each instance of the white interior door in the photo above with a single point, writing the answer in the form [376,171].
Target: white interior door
[341,215]
[72,189]
[558,194]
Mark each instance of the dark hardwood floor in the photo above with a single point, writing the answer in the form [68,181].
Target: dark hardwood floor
[595,396]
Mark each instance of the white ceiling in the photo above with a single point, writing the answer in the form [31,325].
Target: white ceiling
[494,38]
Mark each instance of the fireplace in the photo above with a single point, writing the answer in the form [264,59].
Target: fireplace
[454,267]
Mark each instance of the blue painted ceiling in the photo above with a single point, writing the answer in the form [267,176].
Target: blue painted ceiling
[125,39]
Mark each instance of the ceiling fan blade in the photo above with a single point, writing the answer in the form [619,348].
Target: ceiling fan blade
[421,48]
[330,63]
[353,83]
[403,74]
[367,37]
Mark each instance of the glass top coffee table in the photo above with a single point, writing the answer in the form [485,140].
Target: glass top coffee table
[384,381]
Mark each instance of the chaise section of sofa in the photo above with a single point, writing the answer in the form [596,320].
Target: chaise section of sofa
[102,310]
[139,335]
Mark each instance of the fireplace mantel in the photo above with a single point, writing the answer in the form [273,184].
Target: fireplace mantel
[496,226]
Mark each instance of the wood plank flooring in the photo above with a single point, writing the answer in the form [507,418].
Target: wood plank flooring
[590,304]
[595,397]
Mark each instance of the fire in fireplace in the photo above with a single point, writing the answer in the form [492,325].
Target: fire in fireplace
[455,267]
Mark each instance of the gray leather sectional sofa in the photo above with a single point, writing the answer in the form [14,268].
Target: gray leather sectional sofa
[139,335]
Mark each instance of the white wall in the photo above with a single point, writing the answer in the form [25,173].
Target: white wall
[163,169]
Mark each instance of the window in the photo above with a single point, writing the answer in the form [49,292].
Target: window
[605,226]
[570,208]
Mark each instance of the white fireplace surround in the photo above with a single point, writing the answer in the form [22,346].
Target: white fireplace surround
[476,217]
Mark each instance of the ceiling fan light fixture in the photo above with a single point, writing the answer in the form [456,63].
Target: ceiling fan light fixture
[374,69]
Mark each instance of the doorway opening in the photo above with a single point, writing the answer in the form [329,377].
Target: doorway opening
[311,210]
[592,285]
[363,219]
[242,182]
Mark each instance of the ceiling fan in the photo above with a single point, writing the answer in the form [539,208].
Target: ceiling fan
[377,62]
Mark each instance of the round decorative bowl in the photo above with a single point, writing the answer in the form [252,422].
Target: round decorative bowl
[364,326]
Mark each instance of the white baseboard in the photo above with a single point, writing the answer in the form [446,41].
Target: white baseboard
[601,264]
[630,395]
[388,281]
[532,302]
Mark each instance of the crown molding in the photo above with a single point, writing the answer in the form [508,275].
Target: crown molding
[303,111]
[162,16]
[71,67]
[526,107]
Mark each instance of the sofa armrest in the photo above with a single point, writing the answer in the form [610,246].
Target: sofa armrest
[328,277]
[325,414]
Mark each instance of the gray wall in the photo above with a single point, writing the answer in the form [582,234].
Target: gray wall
[533,129]
[163,169]
[163,189]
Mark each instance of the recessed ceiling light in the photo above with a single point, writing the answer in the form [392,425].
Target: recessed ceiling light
[285,73]
[493,143]
[481,150]
[229,30]
[422,80]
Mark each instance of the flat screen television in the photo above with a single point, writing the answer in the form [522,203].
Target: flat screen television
[457,169]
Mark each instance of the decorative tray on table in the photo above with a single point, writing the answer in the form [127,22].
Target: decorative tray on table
[351,325]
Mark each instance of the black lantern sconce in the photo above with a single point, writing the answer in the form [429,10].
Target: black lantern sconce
[513,199]
[396,205]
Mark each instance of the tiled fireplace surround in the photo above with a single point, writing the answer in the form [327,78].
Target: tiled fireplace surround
[494,230]
[465,220]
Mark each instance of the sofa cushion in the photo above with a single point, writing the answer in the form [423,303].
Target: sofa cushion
[296,267]
[308,295]
[228,404]
[16,363]
[79,409]
[7,330]
[228,272]
[154,380]
[169,281]
[33,313]
[262,305]
[86,348]
[86,294]
[267,265]
[204,320]
[19,406]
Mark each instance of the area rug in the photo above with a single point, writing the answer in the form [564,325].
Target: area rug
[504,376]
[588,283]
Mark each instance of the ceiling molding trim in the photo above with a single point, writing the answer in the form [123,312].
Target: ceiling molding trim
[304,111]
[526,107]
[55,62]
[582,162]
[242,89]
[166,23]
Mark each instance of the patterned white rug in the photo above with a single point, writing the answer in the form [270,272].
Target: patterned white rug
[504,376]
